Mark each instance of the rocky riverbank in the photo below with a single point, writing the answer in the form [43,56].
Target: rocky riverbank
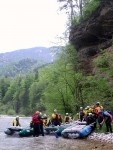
[102,137]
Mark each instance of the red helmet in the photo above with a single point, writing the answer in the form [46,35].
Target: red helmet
[37,113]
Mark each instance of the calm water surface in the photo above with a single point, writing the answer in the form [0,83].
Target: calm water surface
[43,143]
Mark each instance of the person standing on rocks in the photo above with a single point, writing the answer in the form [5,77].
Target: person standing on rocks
[108,119]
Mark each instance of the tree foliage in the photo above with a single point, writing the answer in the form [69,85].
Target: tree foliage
[62,84]
[78,10]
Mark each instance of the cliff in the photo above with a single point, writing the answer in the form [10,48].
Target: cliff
[96,33]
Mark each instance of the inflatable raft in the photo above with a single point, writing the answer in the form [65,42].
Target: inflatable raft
[26,132]
[77,131]
[64,126]
[61,128]
[11,130]
[47,130]
[51,129]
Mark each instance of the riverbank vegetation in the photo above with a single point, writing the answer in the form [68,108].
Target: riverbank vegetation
[65,85]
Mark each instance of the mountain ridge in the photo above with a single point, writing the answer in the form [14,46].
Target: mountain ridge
[36,53]
[26,60]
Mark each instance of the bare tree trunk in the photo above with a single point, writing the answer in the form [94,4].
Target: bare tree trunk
[72,11]
[80,7]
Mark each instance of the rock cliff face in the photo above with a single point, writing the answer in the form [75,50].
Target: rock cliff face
[96,33]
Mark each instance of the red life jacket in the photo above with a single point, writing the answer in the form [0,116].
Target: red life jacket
[35,119]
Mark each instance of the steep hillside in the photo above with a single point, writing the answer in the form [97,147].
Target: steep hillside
[94,34]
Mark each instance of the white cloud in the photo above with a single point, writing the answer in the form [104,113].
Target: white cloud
[29,23]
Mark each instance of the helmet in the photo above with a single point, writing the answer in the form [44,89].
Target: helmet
[17,117]
[67,114]
[81,108]
[55,110]
[37,113]
[90,114]
[40,113]
[98,103]
[88,107]
[44,115]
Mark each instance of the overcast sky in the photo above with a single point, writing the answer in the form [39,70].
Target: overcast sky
[29,23]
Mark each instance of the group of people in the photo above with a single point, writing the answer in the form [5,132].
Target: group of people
[40,121]
[57,119]
[97,115]
[91,114]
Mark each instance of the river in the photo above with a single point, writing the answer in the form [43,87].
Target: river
[48,142]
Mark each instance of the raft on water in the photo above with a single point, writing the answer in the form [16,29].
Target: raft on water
[26,132]
[51,129]
[11,130]
[77,131]
[64,126]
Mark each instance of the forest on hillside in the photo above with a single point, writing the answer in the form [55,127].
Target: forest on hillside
[63,85]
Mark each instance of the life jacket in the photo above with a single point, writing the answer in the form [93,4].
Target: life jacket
[97,109]
[90,110]
[67,119]
[31,124]
[35,119]
[111,113]
[53,116]
[81,113]
[60,118]
[55,119]
[90,119]
[45,122]
[106,113]
[16,123]
[85,114]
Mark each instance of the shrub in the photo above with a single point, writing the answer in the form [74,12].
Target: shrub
[102,61]
[90,8]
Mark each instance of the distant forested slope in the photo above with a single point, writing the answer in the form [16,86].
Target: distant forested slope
[26,60]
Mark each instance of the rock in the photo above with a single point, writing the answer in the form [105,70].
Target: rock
[95,33]
[101,137]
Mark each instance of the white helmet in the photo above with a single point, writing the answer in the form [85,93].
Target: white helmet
[90,114]
[88,107]
[81,108]
[55,110]
[17,117]
[44,115]
[97,103]
[67,114]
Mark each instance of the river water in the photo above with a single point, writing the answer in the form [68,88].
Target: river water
[48,142]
